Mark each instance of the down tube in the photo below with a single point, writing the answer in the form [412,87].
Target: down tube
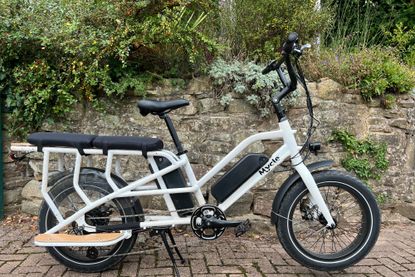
[277,158]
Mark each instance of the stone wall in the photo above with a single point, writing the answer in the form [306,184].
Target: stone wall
[209,132]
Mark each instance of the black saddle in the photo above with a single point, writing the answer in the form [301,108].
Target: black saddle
[157,107]
[82,141]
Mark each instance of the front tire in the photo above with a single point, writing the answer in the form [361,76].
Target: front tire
[354,210]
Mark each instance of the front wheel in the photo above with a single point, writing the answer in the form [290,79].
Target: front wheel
[302,228]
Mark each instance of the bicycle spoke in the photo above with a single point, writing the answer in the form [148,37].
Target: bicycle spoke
[343,207]
[323,244]
[332,241]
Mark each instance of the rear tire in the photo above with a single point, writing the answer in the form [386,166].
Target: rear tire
[62,192]
[357,230]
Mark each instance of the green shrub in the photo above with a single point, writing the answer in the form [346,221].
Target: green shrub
[403,39]
[245,79]
[374,71]
[360,23]
[255,29]
[366,158]
[55,52]
[388,101]
[384,73]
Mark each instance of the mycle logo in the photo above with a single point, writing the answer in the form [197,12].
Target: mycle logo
[267,168]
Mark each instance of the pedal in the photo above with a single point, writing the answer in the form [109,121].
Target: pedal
[242,228]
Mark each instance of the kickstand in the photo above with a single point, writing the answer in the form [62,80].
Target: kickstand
[175,246]
[162,233]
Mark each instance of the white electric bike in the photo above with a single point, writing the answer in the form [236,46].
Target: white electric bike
[90,218]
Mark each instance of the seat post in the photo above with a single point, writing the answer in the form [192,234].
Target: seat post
[173,133]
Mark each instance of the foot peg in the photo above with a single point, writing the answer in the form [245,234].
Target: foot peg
[94,239]
[242,228]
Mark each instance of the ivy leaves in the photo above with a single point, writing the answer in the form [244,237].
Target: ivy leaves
[366,158]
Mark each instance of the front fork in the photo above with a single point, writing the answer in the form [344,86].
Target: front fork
[305,174]
[316,197]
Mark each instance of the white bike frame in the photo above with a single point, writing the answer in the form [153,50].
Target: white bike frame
[142,187]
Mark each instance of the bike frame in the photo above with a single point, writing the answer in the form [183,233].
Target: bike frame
[142,187]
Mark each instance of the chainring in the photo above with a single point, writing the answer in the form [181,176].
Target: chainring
[197,222]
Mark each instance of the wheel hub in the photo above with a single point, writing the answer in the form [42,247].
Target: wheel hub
[99,215]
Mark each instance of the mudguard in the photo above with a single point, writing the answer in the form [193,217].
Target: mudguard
[99,174]
[289,182]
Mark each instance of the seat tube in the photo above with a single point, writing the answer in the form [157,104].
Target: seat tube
[173,134]
[305,174]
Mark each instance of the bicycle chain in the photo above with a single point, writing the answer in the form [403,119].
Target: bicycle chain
[143,214]
[150,250]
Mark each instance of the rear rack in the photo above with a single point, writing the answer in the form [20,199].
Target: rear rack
[141,187]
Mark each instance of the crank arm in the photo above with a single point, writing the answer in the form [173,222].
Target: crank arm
[219,223]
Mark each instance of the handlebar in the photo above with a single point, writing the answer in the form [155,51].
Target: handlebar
[289,47]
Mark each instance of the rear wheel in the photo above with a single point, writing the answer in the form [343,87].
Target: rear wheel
[116,211]
[302,228]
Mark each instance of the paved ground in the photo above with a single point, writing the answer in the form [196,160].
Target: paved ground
[394,255]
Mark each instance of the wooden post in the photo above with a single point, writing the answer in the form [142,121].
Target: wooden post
[317,7]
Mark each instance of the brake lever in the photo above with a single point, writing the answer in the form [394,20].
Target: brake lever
[302,48]
[305,46]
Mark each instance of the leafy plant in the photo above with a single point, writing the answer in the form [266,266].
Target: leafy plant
[366,158]
[403,39]
[54,53]
[255,29]
[374,71]
[382,198]
[245,79]
[360,23]
[226,100]
[388,101]
[382,73]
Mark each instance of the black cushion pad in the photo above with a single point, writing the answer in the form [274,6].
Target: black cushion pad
[127,143]
[44,139]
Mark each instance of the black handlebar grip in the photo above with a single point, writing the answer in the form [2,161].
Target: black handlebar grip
[289,44]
